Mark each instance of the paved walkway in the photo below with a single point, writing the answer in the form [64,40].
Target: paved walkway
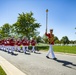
[38,64]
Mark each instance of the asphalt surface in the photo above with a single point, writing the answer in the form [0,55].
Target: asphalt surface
[38,64]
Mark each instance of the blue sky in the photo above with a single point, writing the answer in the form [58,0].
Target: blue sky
[61,15]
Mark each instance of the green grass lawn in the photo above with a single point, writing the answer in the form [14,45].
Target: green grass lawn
[64,49]
[2,72]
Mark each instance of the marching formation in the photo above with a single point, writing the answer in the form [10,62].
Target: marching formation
[11,44]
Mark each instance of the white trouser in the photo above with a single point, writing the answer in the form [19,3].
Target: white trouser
[9,48]
[24,49]
[18,47]
[0,46]
[12,48]
[4,48]
[51,51]
[33,48]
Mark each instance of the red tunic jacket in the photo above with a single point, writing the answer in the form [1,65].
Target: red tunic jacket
[12,42]
[49,36]
[18,43]
[33,42]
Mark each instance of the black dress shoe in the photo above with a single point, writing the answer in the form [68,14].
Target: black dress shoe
[25,52]
[18,51]
[54,58]
[8,52]
[34,51]
[12,53]
[47,57]
[5,51]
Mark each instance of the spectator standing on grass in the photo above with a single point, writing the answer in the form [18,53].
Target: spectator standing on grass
[51,42]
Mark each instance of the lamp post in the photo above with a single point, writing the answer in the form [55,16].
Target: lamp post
[46,19]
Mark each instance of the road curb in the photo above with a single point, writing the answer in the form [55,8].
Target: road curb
[9,68]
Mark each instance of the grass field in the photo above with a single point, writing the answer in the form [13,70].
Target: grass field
[64,49]
[2,71]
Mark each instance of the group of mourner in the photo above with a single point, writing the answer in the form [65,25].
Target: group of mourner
[11,44]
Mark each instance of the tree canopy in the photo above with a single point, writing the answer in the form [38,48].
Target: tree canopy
[65,40]
[26,25]
[5,30]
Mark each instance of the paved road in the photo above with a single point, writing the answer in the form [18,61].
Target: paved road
[38,64]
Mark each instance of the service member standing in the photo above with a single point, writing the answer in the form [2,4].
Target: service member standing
[51,42]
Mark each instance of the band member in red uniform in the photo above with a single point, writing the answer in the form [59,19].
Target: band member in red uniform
[27,45]
[16,46]
[33,43]
[5,45]
[12,43]
[51,42]
[24,43]
[8,44]
[18,43]
[0,44]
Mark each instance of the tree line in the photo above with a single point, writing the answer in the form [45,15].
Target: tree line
[64,40]
[26,25]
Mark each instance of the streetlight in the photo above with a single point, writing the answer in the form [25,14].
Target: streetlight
[46,18]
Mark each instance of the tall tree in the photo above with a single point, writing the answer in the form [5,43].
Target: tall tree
[56,40]
[5,30]
[45,39]
[65,40]
[1,33]
[26,25]
[39,39]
